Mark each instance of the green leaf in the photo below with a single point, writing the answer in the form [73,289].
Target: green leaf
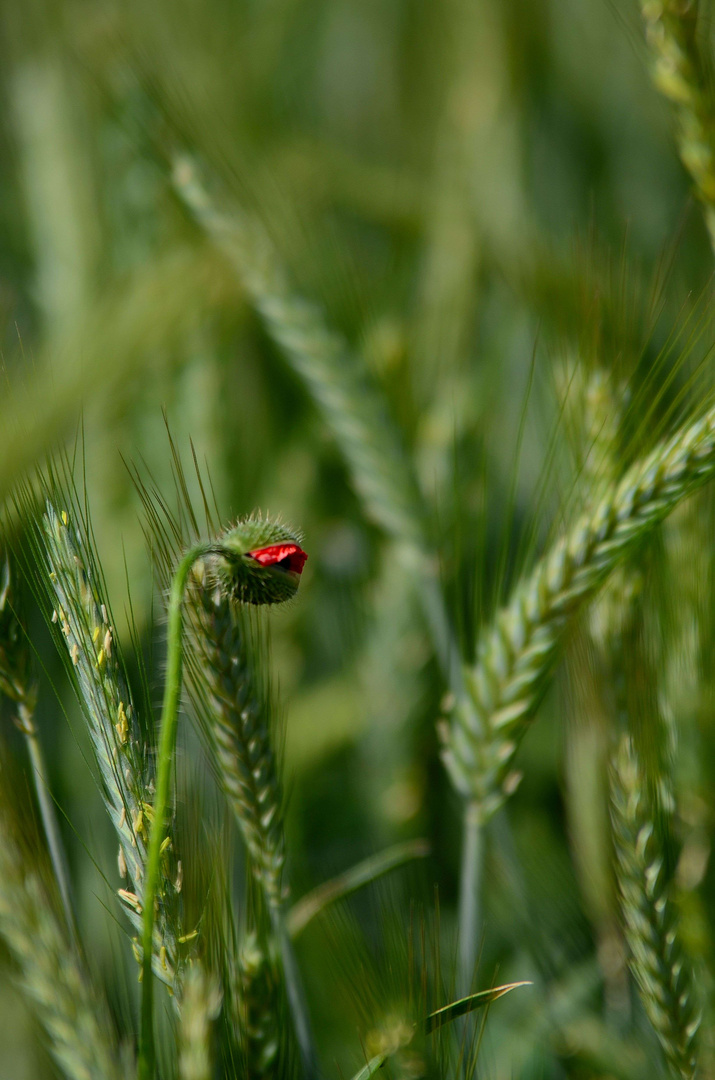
[371,1067]
[445,1015]
[363,873]
[465,1005]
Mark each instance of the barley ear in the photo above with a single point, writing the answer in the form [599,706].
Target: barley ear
[680,74]
[612,626]
[659,966]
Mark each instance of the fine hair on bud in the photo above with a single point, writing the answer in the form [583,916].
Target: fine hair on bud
[259,561]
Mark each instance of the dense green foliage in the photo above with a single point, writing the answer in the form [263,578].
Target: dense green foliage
[430,280]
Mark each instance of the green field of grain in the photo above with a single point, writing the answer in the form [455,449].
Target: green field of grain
[357,523]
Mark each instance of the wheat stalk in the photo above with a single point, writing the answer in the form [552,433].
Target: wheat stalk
[680,75]
[660,969]
[117,738]
[73,1017]
[517,653]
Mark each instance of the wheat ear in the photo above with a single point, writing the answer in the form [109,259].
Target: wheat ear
[679,73]
[659,966]
[201,1002]
[257,1007]
[236,712]
[232,710]
[119,744]
[517,652]
[598,409]
[68,1008]
[229,701]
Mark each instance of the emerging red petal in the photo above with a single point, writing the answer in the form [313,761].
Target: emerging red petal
[287,556]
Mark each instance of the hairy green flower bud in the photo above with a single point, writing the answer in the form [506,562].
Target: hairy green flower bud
[260,562]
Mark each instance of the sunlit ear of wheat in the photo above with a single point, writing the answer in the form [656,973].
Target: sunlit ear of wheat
[516,655]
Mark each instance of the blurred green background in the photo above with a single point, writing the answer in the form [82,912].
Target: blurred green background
[479,193]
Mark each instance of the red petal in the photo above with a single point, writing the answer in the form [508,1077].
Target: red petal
[291,555]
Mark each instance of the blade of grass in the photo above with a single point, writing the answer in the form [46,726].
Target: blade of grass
[320,898]
[434,1020]
[468,1004]
[371,1067]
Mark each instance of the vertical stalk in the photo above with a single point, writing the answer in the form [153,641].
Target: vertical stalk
[165,758]
[295,995]
[469,895]
[25,721]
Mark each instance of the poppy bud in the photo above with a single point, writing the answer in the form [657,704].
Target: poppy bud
[261,561]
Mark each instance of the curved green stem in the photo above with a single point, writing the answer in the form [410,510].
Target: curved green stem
[165,758]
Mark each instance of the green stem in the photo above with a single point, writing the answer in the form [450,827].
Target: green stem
[47,813]
[295,995]
[165,758]
[439,625]
[469,894]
